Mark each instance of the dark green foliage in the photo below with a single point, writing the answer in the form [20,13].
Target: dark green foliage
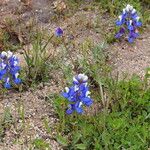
[125,125]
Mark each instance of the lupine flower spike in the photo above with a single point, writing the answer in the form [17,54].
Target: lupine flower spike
[9,69]
[78,94]
[58,32]
[129,21]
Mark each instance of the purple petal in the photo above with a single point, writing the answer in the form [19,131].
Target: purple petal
[87,101]
[59,32]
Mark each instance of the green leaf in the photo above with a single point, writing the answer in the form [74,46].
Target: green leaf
[80,146]
[48,129]
[76,137]
[62,140]
[40,144]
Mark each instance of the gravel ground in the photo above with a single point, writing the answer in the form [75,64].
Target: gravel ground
[36,108]
[132,59]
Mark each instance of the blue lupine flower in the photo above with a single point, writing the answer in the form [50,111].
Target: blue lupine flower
[9,69]
[7,83]
[120,33]
[128,22]
[58,32]
[132,36]
[16,79]
[78,94]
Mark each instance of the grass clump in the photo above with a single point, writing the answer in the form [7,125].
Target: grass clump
[37,58]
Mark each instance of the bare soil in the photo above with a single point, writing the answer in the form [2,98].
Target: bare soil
[132,58]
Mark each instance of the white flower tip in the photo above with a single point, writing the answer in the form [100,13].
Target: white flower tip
[83,77]
[16,75]
[67,89]
[74,79]
[129,7]
[7,80]
[80,76]
[9,54]
[133,11]
[120,17]
[76,88]
[130,22]
[14,56]
[80,104]
[15,63]
[86,84]
[137,18]
[3,54]
[124,11]
[87,94]
[3,65]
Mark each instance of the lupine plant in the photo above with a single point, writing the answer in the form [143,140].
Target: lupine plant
[78,94]
[9,69]
[128,21]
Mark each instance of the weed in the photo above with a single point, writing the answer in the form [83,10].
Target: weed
[6,122]
[94,65]
[37,59]
[21,113]
[10,38]
[40,144]
[46,125]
